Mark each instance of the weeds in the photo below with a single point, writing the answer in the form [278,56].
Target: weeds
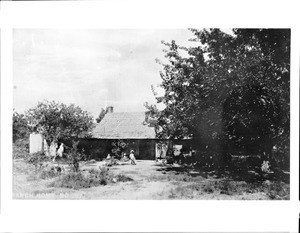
[75,156]
[274,190]
[20,149]
[75,180]
[88,179]
[50,173]
[123,178]
[38,160]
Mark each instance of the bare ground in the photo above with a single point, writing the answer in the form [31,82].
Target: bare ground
[151,181]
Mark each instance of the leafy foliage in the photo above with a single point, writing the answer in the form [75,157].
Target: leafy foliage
[77,180]
[91,178]
[21,149]
[123,178]
[229,92]
[274,190]
[20,127]
[74,156]
[50,172]
[57,121]
[118,147]
[38,160]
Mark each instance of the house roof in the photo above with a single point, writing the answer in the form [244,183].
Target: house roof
[123,125]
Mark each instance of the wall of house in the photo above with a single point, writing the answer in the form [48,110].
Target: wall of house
[94,148]
[144,148]
[147,149]
[99,148]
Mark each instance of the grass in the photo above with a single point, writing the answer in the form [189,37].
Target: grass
[143,181]
[21,149]
[123,178]
[274,190]
[77,180]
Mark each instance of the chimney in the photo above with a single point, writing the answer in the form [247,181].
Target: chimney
[109,109]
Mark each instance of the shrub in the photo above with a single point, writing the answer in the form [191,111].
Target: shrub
[102,173]
[48,173]
[78,180]
[73,180]
[118,147]
[20,127]
[227,187]
[276,190]
[123,178]
[37,159]
[208,188]
[74,156]
[87,179]
[169,160]
[21,149]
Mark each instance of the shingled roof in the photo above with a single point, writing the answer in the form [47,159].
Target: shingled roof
[123,125]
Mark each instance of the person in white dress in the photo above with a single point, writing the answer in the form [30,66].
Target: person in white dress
[132,157]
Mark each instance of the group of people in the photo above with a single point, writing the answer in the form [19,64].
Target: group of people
[131,157]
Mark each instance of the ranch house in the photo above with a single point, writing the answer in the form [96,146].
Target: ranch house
[129,127]
[126,126]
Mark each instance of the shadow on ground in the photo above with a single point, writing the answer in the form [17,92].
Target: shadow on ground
[249,176]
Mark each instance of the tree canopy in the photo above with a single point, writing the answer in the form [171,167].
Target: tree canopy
[58,121]
[226,91]
[20,127]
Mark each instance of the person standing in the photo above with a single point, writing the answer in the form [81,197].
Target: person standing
[132,157]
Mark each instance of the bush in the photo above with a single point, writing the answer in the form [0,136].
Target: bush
[276,190]
[87,179]
[21,149]
[73,180]
[169,160]
[20,127]
[50,172]
[74,156]
[37,159]
[208,189]
[78,180]
[123,178]
[232,187]
[118,147]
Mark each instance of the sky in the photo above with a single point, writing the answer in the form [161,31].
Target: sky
[91,68]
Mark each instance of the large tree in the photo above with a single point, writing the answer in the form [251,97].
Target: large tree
[58,121]
[230,92]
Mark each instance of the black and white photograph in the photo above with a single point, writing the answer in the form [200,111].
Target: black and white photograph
[151,114]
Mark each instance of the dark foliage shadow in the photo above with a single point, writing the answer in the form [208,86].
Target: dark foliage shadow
[248,175]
